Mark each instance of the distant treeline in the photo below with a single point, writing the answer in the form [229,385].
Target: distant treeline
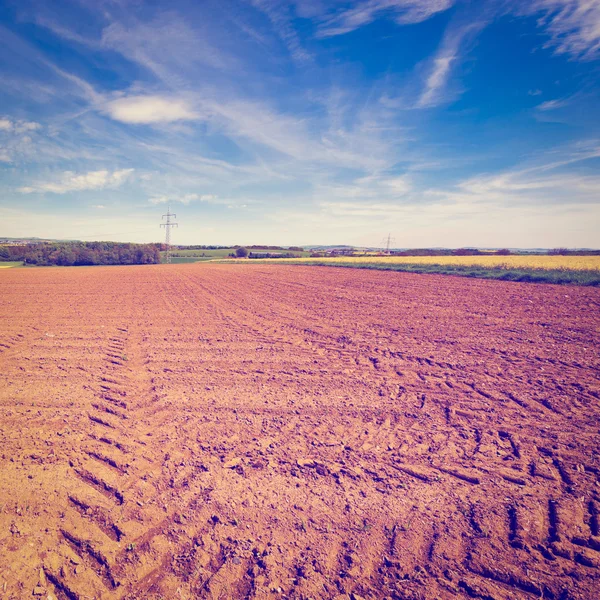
[198,247]
[82,253]
[476,252]
[273,255]
[292,248]
[451,252]
[567,252]
[447,252]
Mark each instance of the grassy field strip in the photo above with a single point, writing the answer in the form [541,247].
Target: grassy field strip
[8,265]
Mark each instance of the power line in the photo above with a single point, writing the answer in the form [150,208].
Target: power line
[167,227]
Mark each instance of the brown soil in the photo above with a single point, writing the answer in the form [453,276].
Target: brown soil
[216,431]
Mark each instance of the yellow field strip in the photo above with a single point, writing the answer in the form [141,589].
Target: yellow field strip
[567,263]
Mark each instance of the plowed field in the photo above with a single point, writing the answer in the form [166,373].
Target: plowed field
[218,431]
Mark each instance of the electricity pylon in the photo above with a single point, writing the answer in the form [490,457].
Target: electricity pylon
[167,227]
[387,241]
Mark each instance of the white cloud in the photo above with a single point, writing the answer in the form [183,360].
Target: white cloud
[11,126]
[404,11]
[17,142]
[149,109]
[72,182]
[23,126]
[184,199]
[574,25]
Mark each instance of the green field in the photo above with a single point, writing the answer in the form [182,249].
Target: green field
[187,259]
[6,265]
[220,253]
[191,256]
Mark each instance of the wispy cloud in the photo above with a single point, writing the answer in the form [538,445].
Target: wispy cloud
[73,182]
[167,46]
[444,61]
[185,199]
[373,189]
[308,139]
[544,186]
[403,12]
[279,14]
[164,44]
[545,183]
[574,25]
[552,104]
[530,188]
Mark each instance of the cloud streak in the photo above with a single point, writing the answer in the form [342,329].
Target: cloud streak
[552,105]
[545,184]
[404,12]
[278,13]
[573,25]
[73,182]
[444,61]
[167,46]
[184,199]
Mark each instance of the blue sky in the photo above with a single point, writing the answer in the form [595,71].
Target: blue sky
[442,122]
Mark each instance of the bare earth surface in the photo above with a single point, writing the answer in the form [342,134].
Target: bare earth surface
[216,431]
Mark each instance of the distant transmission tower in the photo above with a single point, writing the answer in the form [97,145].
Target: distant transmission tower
[167,227]
[387,241]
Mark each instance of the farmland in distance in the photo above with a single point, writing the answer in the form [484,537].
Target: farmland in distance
[220,431]
[578,270]
[527,261]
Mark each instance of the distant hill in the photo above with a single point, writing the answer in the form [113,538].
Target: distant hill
[32,240]
[323,248]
